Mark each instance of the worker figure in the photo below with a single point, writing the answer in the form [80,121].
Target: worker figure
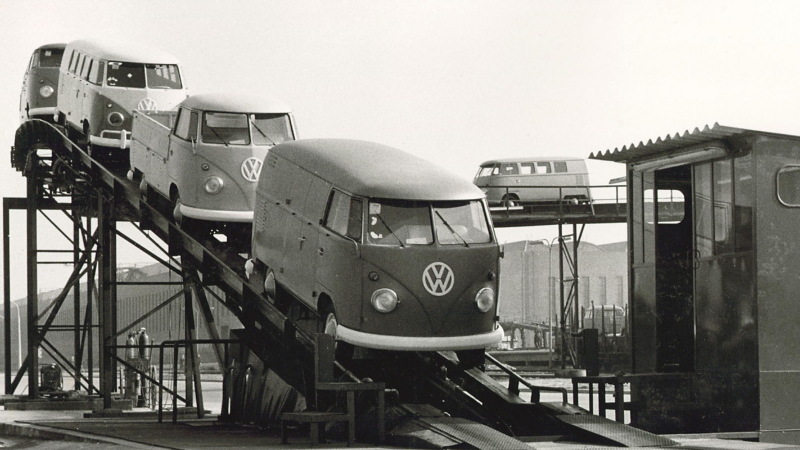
[144,366]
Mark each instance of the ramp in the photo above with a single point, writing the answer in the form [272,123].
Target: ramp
[615,431]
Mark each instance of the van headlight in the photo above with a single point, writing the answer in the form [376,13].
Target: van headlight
[46,91]
[485,299]
[115,119]
[213,185]
[384,300]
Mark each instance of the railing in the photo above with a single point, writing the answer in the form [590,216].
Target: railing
[185,343]
[521,198]
[515,380]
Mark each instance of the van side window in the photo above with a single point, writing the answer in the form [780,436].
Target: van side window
[79,67]
[343,215]
[560,166]
[509,169]
[186,127]
[543,167]
[526,169]
[87,67]
[96,73]
[73,61]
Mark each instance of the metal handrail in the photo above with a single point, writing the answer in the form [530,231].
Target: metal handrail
[514,381]
[185,343]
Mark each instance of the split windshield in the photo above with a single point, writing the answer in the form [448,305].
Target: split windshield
[138,75]
[404,223]
[235,128]
[49,58]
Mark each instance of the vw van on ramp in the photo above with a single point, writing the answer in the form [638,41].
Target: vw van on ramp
[515,181]
[101,83]
[40,84]
[391,251]
[206,157]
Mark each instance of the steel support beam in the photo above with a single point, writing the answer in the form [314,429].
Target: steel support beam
[7,298]
[76,297]
[33,286]
[107,298]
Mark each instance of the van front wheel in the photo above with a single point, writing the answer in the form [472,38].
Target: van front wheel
[328,324]
[471,358]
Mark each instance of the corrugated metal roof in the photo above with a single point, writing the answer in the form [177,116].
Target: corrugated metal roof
[670,142]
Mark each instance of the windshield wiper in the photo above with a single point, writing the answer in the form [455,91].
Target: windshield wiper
[262,133]
[452,230]
[390,230]
[217,135]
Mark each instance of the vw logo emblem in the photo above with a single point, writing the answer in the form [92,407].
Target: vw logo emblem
[251,169]
[438,279]
[147,104]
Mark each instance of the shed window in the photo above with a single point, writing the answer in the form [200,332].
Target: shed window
[723,207]
[669,204]
[789,186]
[723,197]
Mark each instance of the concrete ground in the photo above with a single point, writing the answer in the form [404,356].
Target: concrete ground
[69,430]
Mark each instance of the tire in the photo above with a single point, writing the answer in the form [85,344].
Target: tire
[509,201]
[471,358]
[270,287]
[176,208]
[143,187]
[327,325]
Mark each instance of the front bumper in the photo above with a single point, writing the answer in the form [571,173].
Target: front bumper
[420,343]
[216,215]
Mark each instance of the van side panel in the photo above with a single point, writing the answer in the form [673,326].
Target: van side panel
[338,274]
[274,183]
[300,240]
[149,144]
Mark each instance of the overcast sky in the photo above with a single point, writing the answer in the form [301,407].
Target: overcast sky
[455,82]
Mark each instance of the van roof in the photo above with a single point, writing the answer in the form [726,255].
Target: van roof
[532,159]
[110,50]
[51,46]
[241,103]
[376,170]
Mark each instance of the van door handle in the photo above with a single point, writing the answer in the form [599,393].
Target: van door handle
[321,251]
[301,239]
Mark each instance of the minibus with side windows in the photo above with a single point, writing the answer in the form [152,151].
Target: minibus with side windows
[101,83]
[515,181]
[391,251]
[40,84]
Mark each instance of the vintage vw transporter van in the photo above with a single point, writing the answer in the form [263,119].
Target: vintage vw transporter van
[39,87]
[101,83]
[510,182]
[391,251]
[206,158]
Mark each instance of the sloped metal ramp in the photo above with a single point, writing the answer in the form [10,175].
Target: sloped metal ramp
[450,432]
[614,431]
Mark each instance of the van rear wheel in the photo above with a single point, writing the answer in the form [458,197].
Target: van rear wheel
[510,201]
[328,324]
